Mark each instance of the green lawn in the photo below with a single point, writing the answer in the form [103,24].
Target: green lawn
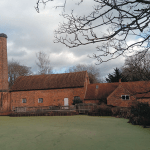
[71,133]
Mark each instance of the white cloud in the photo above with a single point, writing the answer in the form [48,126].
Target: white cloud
[30,32]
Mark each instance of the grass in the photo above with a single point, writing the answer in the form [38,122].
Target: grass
[71,133]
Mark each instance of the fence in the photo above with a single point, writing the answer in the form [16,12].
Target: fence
[45,109]
[80,108]
[85,108]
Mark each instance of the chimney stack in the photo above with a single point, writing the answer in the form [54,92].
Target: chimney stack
[3,63]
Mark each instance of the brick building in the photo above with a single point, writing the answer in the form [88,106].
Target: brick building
[48,90]
[127,93]
[98,92]
[122,94]
[62,89]
[38,90]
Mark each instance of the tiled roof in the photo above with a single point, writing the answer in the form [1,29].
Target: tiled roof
[141,89]
[103,91]
[137,87]
[52,81]
[143,95]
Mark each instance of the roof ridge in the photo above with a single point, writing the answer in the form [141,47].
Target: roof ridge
[51,74]
[49,81]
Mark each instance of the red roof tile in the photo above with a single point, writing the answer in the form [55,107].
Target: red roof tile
[52,81]
[103,91]
[140,89]
[143,95]
[137,86]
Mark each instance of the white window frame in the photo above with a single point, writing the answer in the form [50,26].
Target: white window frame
[39,100]
[125,97]
[24,100]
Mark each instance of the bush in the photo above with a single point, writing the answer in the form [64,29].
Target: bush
[140,114]
[121,112]
[125,113]
[101,110]
[115,111]
[77,101]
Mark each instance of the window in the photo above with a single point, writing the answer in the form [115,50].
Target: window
[40,100]
[24,100]
[125,97]
[96,86]
[77,98]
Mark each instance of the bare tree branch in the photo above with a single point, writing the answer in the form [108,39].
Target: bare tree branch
[15,70]
[43,63]
[93,72]
[124,20]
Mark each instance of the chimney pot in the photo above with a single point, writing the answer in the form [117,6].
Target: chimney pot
[3,35]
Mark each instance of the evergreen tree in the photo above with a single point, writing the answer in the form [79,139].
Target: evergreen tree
[115,76]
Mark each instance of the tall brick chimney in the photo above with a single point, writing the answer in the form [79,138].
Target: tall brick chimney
[3,63]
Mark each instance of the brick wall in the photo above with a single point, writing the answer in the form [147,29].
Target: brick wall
[53,97]
[115,99]
[91,101]
[3,63]
[4,102]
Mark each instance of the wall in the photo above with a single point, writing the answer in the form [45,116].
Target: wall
[91,101]
[4,102]
[115,99]
[52,97]
[87,81]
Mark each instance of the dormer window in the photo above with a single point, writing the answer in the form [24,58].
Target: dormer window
[125,97]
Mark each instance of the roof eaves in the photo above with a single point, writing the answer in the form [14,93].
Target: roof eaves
[45,89]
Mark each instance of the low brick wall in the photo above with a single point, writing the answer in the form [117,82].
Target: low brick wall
[56,113]
[5,113]
[91,101]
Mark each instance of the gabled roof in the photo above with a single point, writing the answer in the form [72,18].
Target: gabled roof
[137,87]
[143,95]
[52,81]
[103,91]
[140,89]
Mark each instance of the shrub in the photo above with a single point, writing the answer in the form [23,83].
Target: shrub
[121,112]
[115,111]
[140,114]
[125,113]
[77,101]
[101,110]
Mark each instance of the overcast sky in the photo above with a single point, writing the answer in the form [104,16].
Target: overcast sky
[30,32]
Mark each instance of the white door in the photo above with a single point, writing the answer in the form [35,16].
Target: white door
[65,101]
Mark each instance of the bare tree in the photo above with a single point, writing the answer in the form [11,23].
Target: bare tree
[93,71]
[124,20]
[15,70]
[43,63]
[44,3]
[137,67]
